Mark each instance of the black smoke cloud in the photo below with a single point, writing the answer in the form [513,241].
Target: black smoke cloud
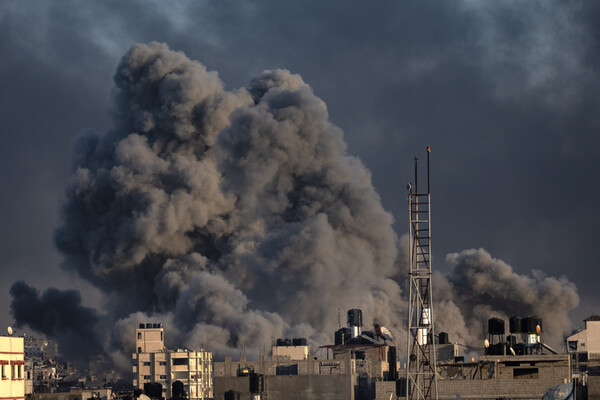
[58,314]
[234,217]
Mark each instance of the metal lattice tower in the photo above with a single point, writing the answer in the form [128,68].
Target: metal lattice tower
[421,363]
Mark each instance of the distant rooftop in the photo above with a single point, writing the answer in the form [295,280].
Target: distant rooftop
[594,317]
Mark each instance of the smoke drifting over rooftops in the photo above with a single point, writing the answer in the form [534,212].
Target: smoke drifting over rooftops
[236,217]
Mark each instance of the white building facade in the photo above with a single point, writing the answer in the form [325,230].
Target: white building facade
[153,363]
[12,361]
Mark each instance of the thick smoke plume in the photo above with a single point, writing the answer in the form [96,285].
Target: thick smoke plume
[480,287]
[236,217]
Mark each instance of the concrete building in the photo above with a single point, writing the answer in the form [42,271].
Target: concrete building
[12,382]
[361,368]
[498,376]
[584,345]
[153,363]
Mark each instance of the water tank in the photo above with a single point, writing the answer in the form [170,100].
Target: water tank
[443,338]
[496,326]
[287,342]
[511,340]
[355,317]
[142,326]
[155,326]
[299,342]
[280,342]
[148,326]
[342,335]
[530,323]
[515,324]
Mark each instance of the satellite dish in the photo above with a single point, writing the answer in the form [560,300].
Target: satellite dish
[486,343]
[10,331]
[384,333]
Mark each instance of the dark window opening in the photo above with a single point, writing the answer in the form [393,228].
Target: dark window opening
[572,345]
[180,361]
[526,373]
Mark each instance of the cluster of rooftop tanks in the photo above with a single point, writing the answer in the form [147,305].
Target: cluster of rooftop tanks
[524,336]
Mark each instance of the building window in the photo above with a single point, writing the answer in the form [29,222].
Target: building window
[13,372]
[4,371]
[572,345]
[526,373]
[146,363]
[20,372]
[147,377]
[139,349]
[139,335]
[180,361]
[162,377]
[162,363]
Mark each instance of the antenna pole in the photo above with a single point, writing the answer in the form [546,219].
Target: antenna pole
[421,363]
[428,152]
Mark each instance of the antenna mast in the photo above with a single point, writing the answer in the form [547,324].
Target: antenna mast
[421,363]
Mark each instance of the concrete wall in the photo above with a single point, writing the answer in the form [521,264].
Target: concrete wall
[74,394]
[306,387]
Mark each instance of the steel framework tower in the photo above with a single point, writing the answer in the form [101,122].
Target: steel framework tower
[421,363]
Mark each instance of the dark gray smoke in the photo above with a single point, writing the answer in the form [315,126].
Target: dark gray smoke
[234,217]
[57,314]
[480,287]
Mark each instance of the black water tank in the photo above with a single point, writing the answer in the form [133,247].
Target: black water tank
[341,335]
[511,340]
[515,324]
[299,342]
[287,342]
[496,326]
[498,349]
[148,325]
[530,323]
[177,390]
[153,390]
[257,383]
[355,317]
[280,342]
[155,326]
[443,338]
[232,395]
[142,326]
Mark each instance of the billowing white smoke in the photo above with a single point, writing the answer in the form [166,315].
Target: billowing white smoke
[236,217]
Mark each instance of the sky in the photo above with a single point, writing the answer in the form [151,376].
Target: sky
[505,93]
